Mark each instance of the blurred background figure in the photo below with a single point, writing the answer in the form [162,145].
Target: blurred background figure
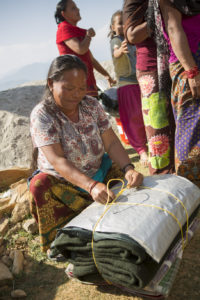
[129,97]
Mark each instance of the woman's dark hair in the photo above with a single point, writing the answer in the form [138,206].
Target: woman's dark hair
[61,6]
[111,32]
[58,66]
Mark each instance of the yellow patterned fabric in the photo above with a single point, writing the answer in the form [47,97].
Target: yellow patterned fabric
[54,203]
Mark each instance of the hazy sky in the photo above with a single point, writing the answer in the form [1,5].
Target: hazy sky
[28,30]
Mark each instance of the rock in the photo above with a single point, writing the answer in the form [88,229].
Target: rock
[4,201]
[14,229]
[19,188]
[7,252]
[12,253]
[27,256]
[9,176]
[28,267]
[22,240]
[7,260]
[2,250]
[17,262]
[15,144]
[18,294]
[25,262]
[6,209]
[31,226]
[37,239]
[20,196]
[4,225]
[20,211]
[5,275]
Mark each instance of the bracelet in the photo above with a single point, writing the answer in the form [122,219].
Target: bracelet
[191,73]
[124,168]
[93,185]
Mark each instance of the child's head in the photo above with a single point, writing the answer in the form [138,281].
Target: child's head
[66,10]
[116,24]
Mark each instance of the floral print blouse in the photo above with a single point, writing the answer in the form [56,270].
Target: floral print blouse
[81,141]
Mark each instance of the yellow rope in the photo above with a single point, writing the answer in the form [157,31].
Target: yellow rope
[108,206]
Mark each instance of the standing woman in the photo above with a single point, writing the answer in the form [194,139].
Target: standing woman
[155,101]
[182,23]
[71,39]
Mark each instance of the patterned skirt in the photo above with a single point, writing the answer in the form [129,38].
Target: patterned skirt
[159,124]
[187,118]
[54,203]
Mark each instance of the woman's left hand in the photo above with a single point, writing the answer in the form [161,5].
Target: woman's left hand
[194,84]
[90,32]
[134,178]
[110,80]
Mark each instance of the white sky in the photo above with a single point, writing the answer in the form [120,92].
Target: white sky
[28,30]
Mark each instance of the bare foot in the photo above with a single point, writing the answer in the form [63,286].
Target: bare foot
[144,159]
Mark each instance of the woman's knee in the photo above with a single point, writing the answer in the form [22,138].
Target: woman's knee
[39,183]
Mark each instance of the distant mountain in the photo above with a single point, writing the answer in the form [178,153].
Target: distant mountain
[36,71]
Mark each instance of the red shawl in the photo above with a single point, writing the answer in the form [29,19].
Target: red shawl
[67,31]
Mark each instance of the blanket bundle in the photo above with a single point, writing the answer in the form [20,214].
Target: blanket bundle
[161,284]
[127,243]
[119,259]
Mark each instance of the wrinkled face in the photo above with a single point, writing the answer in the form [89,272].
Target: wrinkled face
[71,13]
[70,89]
[118,25]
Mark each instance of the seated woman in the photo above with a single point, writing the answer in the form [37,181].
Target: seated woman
[71,137]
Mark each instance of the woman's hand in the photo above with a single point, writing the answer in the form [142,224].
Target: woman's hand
[133,177]
[194,84]
[99,193]
[111,81]
[91,33]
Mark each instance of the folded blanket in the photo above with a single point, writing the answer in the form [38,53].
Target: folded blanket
[121,261]
[117,256]
[161,283]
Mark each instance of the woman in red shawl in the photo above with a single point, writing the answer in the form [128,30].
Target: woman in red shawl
[71,39]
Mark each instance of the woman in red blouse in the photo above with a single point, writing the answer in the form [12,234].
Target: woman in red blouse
[71,39]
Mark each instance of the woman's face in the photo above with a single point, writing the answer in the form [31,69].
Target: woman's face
[71,13]
[69,90]
[118,25]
